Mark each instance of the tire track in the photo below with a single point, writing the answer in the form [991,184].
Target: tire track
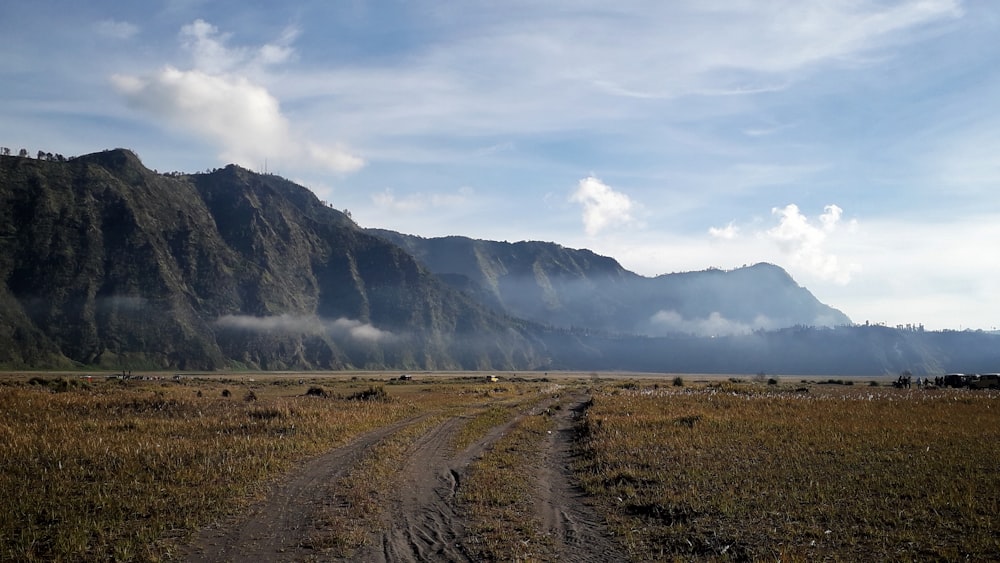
[279,528]
[577,531]
[426,524]
[424,521]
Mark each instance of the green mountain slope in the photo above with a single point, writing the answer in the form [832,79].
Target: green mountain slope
[108,263]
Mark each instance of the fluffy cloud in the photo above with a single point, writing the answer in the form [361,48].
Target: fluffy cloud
[729,232]
[804,242]
[218,102]
[603,207]
[358,330]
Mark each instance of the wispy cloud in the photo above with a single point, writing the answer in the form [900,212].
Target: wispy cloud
[549,66]
[211,52]
[416,202]
[672,322]
[116,29]
[299,324]
[219,102]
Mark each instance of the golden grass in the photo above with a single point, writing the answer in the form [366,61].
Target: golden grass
[745,472]
[114,470]
[498,496]
[349,524]
[364,494]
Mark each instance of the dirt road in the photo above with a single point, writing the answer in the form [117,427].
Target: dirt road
[423,521]
[578,532]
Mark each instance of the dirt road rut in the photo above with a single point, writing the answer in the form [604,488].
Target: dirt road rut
[424,521]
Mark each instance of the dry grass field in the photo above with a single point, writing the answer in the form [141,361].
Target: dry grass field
[125,470]
[751,472]
[107,469]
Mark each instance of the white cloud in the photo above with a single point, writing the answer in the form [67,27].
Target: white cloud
[359,330]
[274,323]
[667,322]
[219,103]
[804,243]
[729,232]
[305,324]
[210,52]
[115,29]
[603,207]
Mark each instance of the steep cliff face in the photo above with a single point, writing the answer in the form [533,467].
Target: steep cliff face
[89,259]
[559,286]
[105,262]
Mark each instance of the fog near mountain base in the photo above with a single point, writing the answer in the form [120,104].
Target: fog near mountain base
[305,324]
[665,323]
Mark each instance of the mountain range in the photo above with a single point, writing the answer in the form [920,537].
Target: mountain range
[558,286]
[105,263]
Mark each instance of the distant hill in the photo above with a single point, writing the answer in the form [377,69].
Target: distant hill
[105,263]
[550,284]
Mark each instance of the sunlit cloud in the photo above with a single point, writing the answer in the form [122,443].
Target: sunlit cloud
[603,207]
[804,242]
[217,101]
[729,232]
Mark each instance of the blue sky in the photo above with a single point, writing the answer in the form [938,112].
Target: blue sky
[855,143]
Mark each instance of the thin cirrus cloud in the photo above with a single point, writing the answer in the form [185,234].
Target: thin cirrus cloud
[218,101]
[544,67]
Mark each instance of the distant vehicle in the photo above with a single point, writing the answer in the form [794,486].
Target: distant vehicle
[406,377]
[986,381]
[957,380]
[492,378]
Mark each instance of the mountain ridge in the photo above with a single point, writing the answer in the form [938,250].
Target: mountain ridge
[548,283]
[114,264]
[107,264]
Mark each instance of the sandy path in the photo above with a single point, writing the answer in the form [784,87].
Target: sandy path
[578,533]
[424,522]
[279,528]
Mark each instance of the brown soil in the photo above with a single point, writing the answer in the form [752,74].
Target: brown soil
[576,530]
[424,523]
[281,527]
